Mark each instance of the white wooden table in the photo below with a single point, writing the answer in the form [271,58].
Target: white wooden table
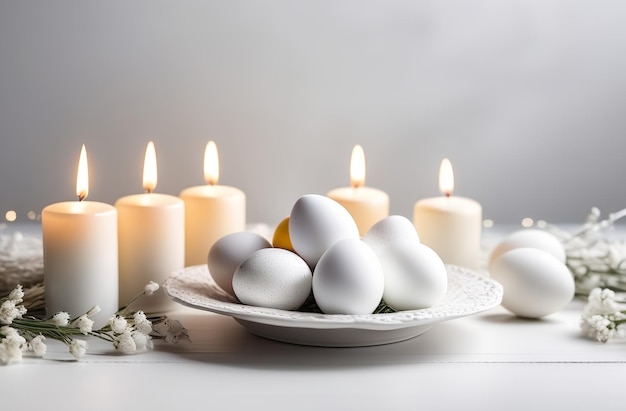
[491,361]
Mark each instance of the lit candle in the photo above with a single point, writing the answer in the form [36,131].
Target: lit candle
[80,254]
[367,205]
[211,211]
[151,231]
[450,225]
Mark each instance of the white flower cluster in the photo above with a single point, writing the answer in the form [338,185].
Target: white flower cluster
[600,263]
[12,344]
[595,260]
[129,332]
[131,335]
[151,288]
[9,309]
[172,331]
[603,317]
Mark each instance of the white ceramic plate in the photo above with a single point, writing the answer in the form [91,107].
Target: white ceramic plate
[468,293]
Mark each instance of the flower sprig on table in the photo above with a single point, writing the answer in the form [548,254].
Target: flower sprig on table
[128,331]
[603,317]
[594,260]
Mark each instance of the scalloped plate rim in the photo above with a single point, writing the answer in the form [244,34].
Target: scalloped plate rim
[199,276]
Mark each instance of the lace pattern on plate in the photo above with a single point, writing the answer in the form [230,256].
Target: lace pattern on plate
[468,293]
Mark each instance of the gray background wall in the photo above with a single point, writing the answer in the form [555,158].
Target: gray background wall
[527,98]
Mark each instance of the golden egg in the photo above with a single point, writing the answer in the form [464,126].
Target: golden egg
[281,235]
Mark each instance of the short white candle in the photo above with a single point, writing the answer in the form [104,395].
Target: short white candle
[151,230]
[450,225]
[211,211]
[366,205]
[80,254]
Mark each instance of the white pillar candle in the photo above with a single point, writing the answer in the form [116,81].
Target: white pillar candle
[80,254]
[151,235]
[450,225]
[211,211]
[366,205]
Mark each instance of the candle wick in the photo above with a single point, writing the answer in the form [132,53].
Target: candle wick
[448,194]
[148,190]
[81,197]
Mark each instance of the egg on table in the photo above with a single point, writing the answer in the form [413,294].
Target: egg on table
[535,282]
[228,252]
[317,222]
[348,279]
[273,278]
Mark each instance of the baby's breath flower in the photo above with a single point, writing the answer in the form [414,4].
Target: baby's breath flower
[7,331]
[594,260]
[9,311]
[11,346]
[60,319]
[78,348]
[141,340]
[17,295]
[128,331]
[140,316]
[602,317]
[84,324]
[125,343]
[601,327]
[37,345]
[8,353]
[118,324]
[171,330]
[142,324]
[151,288]
[601,301]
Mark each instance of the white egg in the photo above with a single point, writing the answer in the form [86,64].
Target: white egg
[317,222]
[415,276]
[533,238]
[228,252]
[391,230]
[348,279]
[274,278]
[535,282]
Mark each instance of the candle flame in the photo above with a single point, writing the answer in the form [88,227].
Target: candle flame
[150,168]
[357,167]
[211,164]
[446,178]
[82,179]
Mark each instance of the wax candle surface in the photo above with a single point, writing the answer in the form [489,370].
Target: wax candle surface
[211,211]
[366,205]
[450,225]
[80,257]
[151,246]
[151,232]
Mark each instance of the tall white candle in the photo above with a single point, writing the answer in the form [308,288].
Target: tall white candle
[211,211]
[151,237]
[80,254]
[450,225]
[366,205]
